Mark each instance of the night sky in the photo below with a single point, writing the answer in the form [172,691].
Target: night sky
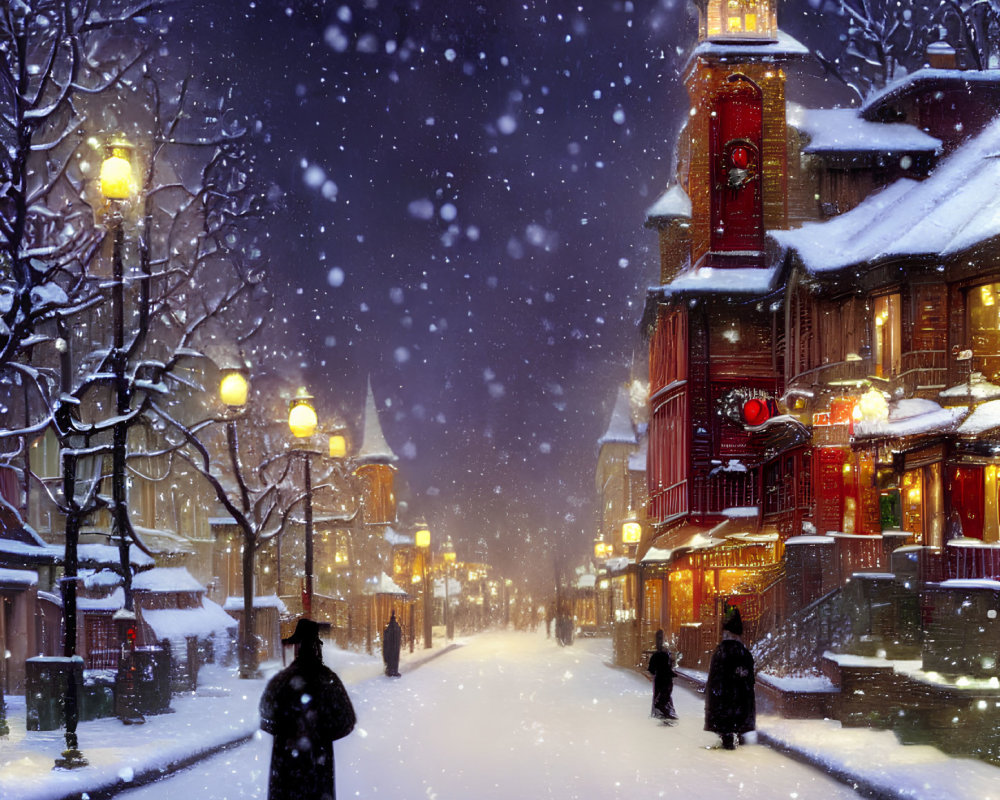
[457,202]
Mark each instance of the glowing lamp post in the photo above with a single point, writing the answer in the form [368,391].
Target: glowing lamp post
[117,186]
[233,391]
[422,540]
[302,421]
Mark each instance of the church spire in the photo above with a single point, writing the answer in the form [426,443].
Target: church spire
[374,448]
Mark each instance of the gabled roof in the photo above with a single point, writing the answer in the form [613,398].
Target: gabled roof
[955,208]
[620,429]
[926,78]
[374,448]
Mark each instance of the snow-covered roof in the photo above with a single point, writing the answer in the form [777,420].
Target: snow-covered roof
[374,448]
[178,623]
[259,601]
[587,581]
[908,83]
[983,418]
[386,585]
[657,554]
[620,429]
[112,602]
[744,280]
[844,130]
[672,204]
[163,541]
[784,47]
[976,389]
[909,417]
[166,579]
[18,577]
[956,207]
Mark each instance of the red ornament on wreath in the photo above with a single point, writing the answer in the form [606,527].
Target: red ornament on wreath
[740,157]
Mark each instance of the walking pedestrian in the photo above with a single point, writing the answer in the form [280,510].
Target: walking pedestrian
[392,639]
[662,669]
[305,708]
[730,704]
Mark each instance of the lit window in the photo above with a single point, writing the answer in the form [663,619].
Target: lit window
[887,334]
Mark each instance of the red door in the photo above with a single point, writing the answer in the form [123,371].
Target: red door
[965,488]
[737,205]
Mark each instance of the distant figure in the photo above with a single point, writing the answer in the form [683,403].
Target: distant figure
[564,629]
[550,615]
[305,708]
[730,704]
[662,670]
[392,639]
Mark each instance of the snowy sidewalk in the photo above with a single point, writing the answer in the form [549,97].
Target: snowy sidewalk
[874,762]
[222,713]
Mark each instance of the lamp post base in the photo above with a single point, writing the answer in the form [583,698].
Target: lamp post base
[71,759]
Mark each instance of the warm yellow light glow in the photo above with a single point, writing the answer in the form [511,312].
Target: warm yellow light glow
[338,445]
[302,418]
[750,20]
[233,389]
[987,295]
[422,538]
[116,174]
[873,406]
[449,556]
[734,24]
[631,533]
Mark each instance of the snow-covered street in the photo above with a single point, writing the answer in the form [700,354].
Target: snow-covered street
[502,714]
[514,715]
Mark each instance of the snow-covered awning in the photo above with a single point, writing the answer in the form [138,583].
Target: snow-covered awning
[384,585]
[259,601]
[719,280]
[911,417]
[179,623]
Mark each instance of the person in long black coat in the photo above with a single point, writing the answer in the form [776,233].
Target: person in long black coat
[305,707]
[730,703]
[661,667]
[392,640]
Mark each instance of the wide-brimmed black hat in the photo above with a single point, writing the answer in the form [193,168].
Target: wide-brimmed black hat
[306,630]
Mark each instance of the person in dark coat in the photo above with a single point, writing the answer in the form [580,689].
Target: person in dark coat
[730,704]
[392,640]
[662,669]
[305,707]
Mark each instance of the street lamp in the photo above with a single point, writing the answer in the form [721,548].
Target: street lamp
[302,421]
[233,391]
[422,539]
[448,556]
[117,187]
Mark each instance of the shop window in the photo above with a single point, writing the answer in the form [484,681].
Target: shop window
[911,495]
[984,329]
[887,335]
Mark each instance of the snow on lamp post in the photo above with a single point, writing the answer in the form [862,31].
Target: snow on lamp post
[422,540]
[302,421]
[118,187]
